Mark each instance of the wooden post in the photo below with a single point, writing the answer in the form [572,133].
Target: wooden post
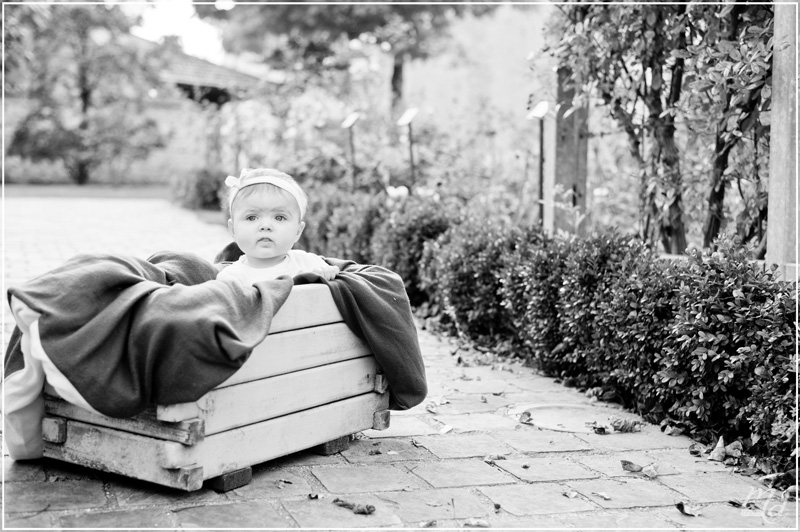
[568,149]
[782,222]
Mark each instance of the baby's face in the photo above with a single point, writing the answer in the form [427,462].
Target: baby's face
[266,225]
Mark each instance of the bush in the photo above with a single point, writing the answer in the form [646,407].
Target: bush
[399,241]
[590,270]
[730,367]
[529,292]
[203,189]
[465,269]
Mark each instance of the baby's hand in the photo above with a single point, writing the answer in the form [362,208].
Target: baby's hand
[327,272]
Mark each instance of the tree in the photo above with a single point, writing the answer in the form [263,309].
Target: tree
[729,98]
[622,53]
[666,70]
[296,37]
[87,80]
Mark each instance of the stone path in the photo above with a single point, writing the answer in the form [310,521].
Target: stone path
[462,457]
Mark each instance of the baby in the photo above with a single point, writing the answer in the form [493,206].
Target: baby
[267,208]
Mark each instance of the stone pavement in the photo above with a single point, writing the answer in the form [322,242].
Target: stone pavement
[461,458]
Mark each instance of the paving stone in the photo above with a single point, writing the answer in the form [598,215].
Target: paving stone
[637,441]
[482,386]
[280,483]
[534,499]
[503,519]
[384,450]
[439,504]
[626,493]
[323,513]
[529,439]
[717,487]
[463,446]
[303,458]
[371,478]
[131,492]
[65,495]
[238,515]
[468,403]
[545,469]
[684,462]
[58,470]
[558,397]
[36,520]
[610,463]
[722,515]
[26,470]
[475,422]
[135,519]
[402,426]
[635,519]
[454,473]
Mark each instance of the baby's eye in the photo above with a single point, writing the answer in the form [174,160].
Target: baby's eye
[251,217]
[280,217]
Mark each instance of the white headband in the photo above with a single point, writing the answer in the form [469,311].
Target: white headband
[288,186]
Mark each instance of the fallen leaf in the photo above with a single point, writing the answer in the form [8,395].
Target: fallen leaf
[414,442]
[281,482]
[313,496]
[630,466]
[734,449]
[525,466]
[364,509]
[651,470]
[599,430]
[571,494]
[431,407]
[476,523]
[499,394]
[483,399]
[601,494]
[490,458]
[718,454]
[496,508]
[673,431]
[687,509]
[428,524]
[697,449]
[625,425]
[445,429]
[393,452]
[526,417]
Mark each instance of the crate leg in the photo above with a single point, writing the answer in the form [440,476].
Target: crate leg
[231,480]
[380,420]
[332,447]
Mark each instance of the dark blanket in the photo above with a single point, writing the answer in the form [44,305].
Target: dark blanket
[129,333]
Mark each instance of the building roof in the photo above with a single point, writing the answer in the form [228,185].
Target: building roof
[185,69]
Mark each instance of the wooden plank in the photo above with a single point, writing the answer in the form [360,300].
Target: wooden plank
[132,455]
[296,350]
[54,429]
[187,432]
[253,444]
[231,481]
[252,402]
[308,305]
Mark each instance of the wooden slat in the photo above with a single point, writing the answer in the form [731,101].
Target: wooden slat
[307,306]
[295,350]
[253,444]
[132,455]
[251,402]
[187,432]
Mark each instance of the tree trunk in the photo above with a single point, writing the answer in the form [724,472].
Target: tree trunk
[397,85]
[716,198]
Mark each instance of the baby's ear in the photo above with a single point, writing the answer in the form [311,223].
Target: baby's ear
[300,230]
[230,225]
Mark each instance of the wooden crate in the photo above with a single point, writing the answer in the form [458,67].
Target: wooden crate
[312,382]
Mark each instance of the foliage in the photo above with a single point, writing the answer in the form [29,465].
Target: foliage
[316,38]
[733,342]
[399,242]
[89,84]
[529,293]
[203,189]
[677,78]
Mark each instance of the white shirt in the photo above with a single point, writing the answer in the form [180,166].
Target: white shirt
[297,261]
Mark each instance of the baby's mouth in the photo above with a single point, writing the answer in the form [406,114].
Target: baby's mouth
[265,239]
